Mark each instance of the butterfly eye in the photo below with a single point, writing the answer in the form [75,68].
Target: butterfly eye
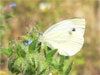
[73,29]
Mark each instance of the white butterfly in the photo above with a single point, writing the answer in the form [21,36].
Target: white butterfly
[67,36]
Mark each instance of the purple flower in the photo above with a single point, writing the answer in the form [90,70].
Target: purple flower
[12,5]
[29,42]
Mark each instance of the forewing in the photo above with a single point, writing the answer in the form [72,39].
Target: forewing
[67,25]
[61,37]
[59,26]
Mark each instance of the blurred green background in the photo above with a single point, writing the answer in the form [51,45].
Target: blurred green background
[18,16]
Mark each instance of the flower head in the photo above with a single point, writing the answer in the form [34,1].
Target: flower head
[29,42]
[44,6]
[12,5]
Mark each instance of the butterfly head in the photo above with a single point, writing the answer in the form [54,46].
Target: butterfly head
[40,35]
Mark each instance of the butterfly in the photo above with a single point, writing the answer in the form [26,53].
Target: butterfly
[66,36]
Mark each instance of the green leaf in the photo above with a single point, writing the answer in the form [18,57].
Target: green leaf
[42,72]
[32,46]
[11,66]
[69,68]
[20,52]
[66,57]
[8,52]
[55,64]
[38,68]
[39,46]
[61,64]
[34,36]
[26,38]
[8,16]
[20,64]
[50,55]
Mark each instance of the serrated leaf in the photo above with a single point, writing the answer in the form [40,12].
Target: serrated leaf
[50,55]
[69,68]
[32,46]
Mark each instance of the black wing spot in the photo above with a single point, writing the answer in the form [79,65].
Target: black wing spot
[73,29]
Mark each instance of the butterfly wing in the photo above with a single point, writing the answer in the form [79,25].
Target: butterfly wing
[61,36]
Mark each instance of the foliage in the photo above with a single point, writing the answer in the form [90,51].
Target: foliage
[28,12]
[34,58]
[4,30]
[1,26]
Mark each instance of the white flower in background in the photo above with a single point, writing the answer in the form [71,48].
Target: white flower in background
[50,73]
[44,6]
